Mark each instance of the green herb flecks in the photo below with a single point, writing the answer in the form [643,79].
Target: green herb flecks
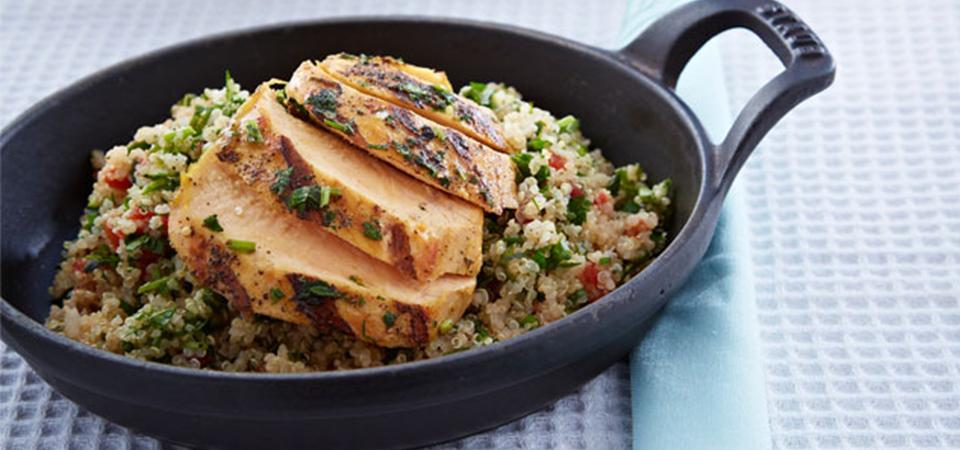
[276,294]
[371,229]
[478,92]
[344,128]
[324,103]
[530,321]
[212,223]
[568,124]
[316,288]
[389,319]
[253,132]
[281,180]
[445,327]
[241,246]
[160,285]
[577,209]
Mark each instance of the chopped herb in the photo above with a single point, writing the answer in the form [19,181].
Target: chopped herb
[161,318]
[211,223]
[568,124]
[577,209]
[318,288]
[160,285]
[530,321]
[378,146]
[549,258]
[139,144]
[604,261]
[253,132]
[88,217]
[144,241]
[513,240]
[356,280]
[324,103]
[344,128]
[371,229]
[325,193]
[328,217]
[658,236]
[241,246]
[389,319]
[281,180]
[445,327]
[536,144]
[102,256]
[186,99]
[232,96]
[478,92]
[163,181]
[276,294]
[305,198]
[583,150]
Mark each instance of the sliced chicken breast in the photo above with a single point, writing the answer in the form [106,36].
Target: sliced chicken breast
[391,80]
[435,154]
[319,178]
[268,261]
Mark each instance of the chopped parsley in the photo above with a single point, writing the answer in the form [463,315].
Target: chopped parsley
[568,124]
[101,256]
[144,241]
[445,327]
[371,229]
[253,132]
[378,146]
[324,103]
[162,181]
[536,144]
[281,180]
[160,285]
[344,128]
[530,321]
[241,246]
[604,261]
[318,288]
[276,294]
[389,319]
[577,209]
[478,92]
[549,258]
[212,223]
[305,198]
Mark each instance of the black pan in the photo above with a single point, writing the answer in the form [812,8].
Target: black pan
[627,105]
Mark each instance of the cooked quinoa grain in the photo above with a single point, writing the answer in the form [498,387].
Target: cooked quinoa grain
[582,228]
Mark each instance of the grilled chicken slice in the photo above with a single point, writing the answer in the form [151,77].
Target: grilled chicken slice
[437,155]
[318,177]
[391,80]
[267,261]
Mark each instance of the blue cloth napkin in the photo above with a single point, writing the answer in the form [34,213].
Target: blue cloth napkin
[697,380]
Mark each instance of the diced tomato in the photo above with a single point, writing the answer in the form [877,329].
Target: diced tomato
[601,198]
[557,161]
[577,191]
[113,237]
[118,181]
[78,264]
[640,227]
[588,277]
[166,221]
[142,218]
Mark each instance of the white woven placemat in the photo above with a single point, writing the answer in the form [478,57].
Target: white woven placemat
[854,205]
[45,45]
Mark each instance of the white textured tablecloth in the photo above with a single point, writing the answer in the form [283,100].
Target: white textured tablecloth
[853,200]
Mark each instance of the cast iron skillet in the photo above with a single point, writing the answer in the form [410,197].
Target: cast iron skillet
[626,103]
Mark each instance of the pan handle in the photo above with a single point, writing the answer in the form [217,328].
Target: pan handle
[665,47]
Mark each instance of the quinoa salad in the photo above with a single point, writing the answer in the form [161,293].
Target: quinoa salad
[582,227]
